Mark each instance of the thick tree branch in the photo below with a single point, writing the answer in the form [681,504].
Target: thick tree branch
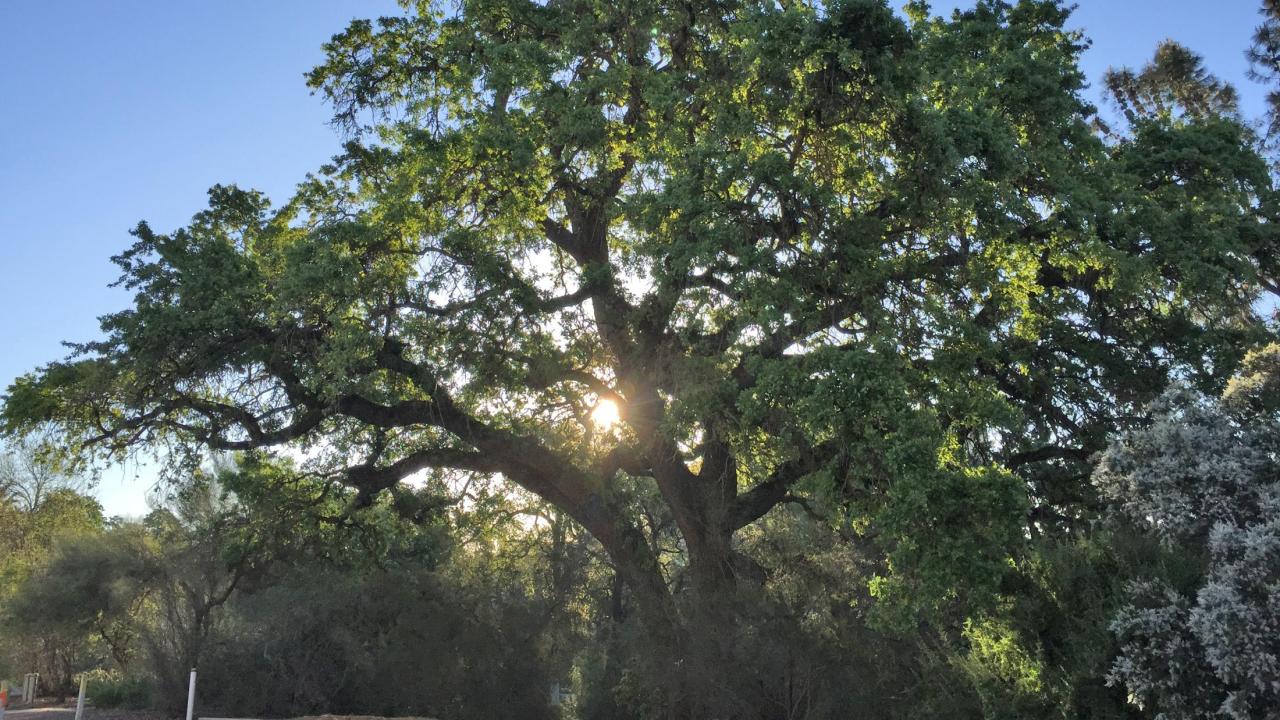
[370,479]
[759,500]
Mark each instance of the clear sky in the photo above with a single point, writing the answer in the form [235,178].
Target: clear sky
[120,111]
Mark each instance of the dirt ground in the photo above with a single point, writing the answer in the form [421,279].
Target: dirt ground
[356,718]
[68,712]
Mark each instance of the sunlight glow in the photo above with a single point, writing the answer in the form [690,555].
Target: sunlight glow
[605,413]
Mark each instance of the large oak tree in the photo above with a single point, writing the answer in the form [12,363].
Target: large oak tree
[882,266]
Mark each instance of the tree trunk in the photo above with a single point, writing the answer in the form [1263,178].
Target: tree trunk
[723,675]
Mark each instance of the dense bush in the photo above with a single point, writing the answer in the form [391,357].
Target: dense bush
[114,689]
[379,642]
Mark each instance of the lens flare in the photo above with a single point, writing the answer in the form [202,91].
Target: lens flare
[605,413]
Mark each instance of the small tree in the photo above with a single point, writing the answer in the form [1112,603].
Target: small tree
[204,546]
[92,589]
[28,539]
[27,475]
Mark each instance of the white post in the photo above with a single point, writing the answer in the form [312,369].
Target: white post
[80,699]
[191,694]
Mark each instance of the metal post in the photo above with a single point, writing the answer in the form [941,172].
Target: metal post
[80,699]
[191,694]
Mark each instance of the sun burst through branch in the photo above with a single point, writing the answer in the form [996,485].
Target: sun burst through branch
[605,413]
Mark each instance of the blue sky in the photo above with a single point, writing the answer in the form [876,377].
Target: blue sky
[120,111]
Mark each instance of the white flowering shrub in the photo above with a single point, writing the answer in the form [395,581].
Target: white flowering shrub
[1161,661]
[1204,478]
[1193,467]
